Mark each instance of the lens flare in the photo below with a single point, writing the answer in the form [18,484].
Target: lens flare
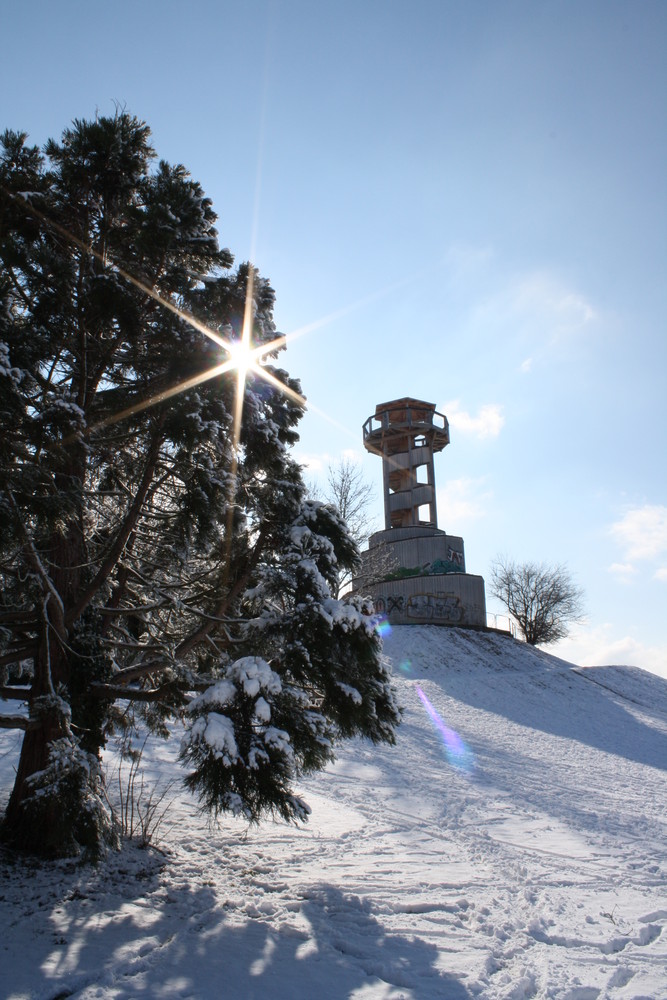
[405,667]
[458,754]
[382,627]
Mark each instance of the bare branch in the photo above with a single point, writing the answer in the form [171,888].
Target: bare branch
[125,529]
[231,595]
[349,492]
[351,495]
[17,722]
[113,691]
[14,693]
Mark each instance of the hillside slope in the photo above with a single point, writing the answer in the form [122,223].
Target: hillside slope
[513,844]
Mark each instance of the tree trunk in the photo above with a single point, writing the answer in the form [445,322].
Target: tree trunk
[19,827]
[48,722]
[39,831]
[57,807]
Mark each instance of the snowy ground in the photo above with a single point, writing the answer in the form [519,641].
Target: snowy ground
[513,844]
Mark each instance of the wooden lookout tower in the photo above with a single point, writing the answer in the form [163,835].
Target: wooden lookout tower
[406,433]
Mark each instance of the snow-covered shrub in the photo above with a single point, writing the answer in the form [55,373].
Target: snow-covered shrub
[240,747]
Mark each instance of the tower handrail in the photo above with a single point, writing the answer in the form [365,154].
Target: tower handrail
[425,419]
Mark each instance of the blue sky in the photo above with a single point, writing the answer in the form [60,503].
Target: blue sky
[467,202]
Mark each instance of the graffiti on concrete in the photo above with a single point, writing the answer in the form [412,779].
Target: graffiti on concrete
[445,608]
[395,603]
[391,604]
[435,607]
[453,564]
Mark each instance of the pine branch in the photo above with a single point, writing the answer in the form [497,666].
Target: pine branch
[37,565]
[129,674]
[16,284]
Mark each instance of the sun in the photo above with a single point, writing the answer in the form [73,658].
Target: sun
[240,358]
[240,355]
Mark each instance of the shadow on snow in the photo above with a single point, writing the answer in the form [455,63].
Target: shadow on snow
[123,931]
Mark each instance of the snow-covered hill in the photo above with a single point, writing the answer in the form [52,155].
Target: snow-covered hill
[513,844]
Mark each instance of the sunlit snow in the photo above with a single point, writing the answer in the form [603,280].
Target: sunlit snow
[513,844]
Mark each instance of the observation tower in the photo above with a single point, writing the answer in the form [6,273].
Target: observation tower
[414,571]
[406,433]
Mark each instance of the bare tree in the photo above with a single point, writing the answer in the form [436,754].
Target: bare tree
[377,564]
[542,599]
[351,495]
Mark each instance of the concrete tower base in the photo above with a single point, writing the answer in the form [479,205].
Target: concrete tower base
[416,575]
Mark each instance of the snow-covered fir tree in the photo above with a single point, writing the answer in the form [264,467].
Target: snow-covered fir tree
[157,556]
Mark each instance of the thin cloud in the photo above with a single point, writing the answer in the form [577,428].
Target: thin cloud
[622,571]
[661,574]
[595,647]
[487,423]
[564,310]
[538,305]
[314,463]
[462,500]
[642,532]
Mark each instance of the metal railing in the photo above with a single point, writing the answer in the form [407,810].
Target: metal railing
[502,623]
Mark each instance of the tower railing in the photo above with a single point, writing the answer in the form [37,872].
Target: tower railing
[405,418]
